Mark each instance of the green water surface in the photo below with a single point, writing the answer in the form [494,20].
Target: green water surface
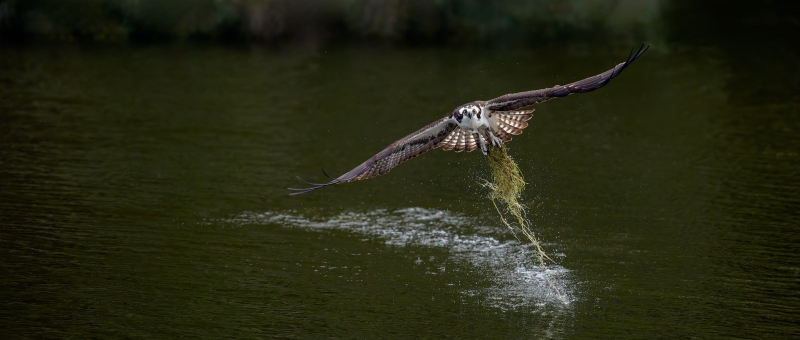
[143,195]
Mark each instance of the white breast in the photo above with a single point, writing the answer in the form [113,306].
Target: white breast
[470,124]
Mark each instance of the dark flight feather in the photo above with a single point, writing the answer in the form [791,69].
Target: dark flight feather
[424,139]
[519,100]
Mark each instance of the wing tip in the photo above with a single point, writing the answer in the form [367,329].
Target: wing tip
[639,52]
[631,58]
[300,191]
[314,186]
[642,48]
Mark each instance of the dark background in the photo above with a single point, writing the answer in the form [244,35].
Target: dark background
[408,22]
[146,147]
[747,29]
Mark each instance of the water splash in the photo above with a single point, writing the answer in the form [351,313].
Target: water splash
[516,280]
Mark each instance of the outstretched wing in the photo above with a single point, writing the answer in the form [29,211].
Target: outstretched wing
[519,100]
[504,124]
[413,145]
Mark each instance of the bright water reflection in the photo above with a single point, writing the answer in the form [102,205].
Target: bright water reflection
[516,281]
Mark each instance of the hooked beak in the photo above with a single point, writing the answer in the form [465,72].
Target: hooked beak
[469,115]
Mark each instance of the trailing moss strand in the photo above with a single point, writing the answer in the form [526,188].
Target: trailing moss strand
[506,188]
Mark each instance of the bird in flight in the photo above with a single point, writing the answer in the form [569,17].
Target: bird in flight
[479,124]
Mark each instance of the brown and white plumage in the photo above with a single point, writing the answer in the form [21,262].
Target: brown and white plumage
[472,125]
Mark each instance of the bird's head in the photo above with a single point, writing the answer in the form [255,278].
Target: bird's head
[468,110]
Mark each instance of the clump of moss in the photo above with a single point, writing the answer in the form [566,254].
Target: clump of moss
[506,188]
[507,182]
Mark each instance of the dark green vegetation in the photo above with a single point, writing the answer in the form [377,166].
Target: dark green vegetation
[320,21]
[314,22]
[143,186]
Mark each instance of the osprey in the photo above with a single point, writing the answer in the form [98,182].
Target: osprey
[478,124]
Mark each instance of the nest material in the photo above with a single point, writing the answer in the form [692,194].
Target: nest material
[506,187]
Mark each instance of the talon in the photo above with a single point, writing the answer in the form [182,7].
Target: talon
[496,142]
[482,142]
